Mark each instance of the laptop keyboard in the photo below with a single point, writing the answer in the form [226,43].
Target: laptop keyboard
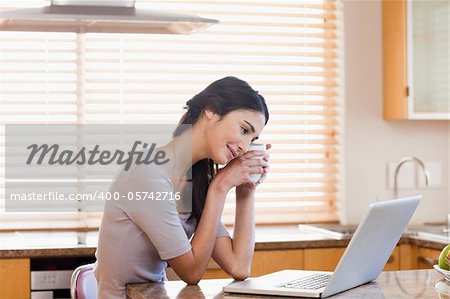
[311,282]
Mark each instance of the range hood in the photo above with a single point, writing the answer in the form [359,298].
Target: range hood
[82,16]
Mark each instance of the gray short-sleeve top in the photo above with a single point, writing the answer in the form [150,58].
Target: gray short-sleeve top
[137,237]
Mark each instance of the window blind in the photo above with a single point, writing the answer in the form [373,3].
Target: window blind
[287,50]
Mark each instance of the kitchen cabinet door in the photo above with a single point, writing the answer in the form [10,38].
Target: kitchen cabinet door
[268,261]
[326,259]
[322,259]
[393,263]
[416,63]
[264,262]
[214,271]
[427,257]
[15,278]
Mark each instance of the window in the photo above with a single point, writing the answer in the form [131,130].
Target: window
[287,50]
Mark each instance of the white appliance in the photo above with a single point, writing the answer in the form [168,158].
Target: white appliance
[44,282]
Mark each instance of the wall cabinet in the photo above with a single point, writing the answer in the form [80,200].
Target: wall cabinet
[416,62]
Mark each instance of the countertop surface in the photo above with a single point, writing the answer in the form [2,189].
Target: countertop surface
[390,284]
[56,243]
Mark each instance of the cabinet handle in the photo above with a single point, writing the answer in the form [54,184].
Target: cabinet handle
[427,260]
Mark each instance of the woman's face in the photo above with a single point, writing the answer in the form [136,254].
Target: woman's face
[229,136]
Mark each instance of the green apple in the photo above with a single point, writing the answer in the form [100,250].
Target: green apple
[442,256]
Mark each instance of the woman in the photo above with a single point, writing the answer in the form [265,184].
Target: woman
[137,240]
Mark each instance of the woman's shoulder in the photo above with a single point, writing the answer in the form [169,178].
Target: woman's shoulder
[150,172]
[144,177]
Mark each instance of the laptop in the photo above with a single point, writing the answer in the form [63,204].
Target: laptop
[363,260]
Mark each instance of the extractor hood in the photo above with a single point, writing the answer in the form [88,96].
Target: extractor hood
[82,16]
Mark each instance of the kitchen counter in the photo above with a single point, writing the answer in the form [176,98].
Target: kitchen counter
[59,244]
[392,284]
[47,244]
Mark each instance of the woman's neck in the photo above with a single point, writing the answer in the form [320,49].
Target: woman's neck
[185,150]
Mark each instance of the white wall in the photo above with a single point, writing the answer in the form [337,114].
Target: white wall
[370,142]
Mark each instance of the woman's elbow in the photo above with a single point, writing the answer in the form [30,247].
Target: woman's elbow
[240,274]
[192,278]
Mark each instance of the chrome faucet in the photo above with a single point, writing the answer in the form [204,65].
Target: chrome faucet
[399,165]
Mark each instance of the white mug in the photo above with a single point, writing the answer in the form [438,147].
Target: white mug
[257,147]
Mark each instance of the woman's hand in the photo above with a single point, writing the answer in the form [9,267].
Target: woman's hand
[238,171]
[246,187]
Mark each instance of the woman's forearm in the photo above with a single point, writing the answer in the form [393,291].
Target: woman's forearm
[191,266]
[205,234]
[244,231]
